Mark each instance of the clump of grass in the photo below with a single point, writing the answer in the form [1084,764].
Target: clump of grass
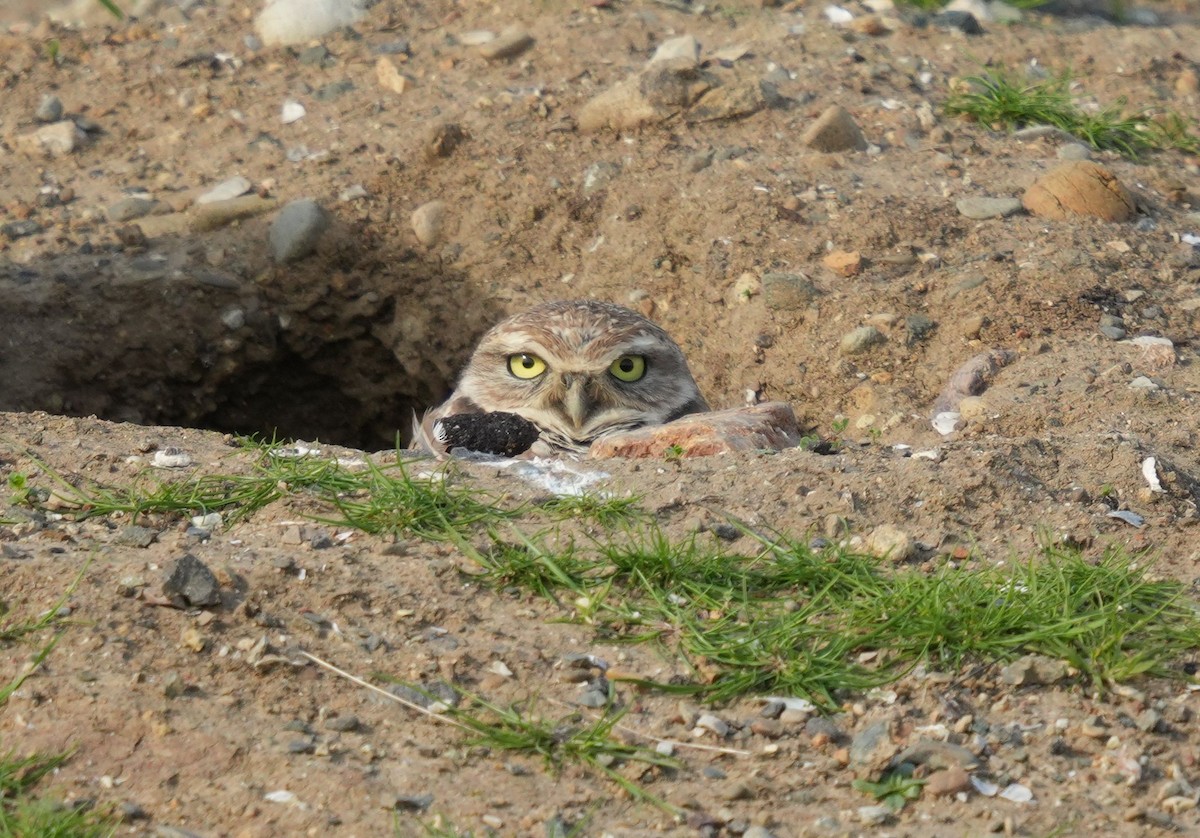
[572,739]
[608,512]
[788,620]
[999,99]
[372,498]
[23,813]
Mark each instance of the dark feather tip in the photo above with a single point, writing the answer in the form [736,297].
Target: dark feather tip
[503,434]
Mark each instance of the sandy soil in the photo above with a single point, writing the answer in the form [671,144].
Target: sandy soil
[140,331]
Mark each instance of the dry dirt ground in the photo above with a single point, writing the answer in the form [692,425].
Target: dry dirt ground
[200,329]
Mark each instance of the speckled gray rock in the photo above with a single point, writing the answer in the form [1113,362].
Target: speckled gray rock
[860,340]
[297,230]
[981,208]
[191,579]
[788,291]
[130,208]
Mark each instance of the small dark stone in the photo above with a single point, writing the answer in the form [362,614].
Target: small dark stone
[918,325]
[20,229]
[726,532]
[823,725]
[331,91]
[343,724]
[300,746]
[412,802]
[191,579]
[962,21]
[504,434]
[713,773]
[135,536]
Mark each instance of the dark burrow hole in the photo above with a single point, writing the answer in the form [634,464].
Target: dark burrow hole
[288,398]
[345,360]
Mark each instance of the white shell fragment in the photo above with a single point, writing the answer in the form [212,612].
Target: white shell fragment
[1151,474]
[984,787]
[837,15]
[946,422]
[1131,518]
[171,458]
[292,111]
[280,796]
[1017,793]
[798,705]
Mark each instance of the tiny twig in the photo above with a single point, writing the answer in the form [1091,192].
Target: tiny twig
[450,720]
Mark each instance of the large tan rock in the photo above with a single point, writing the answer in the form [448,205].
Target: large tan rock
[1080,187]
[769,426]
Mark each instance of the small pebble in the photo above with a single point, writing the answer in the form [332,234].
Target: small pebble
[427,222]
[49,109]
[297,230]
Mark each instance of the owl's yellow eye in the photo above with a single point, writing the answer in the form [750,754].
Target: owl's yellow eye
[526,366]
[628,367]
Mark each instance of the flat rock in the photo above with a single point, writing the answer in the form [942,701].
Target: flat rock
[683,46]
[860,340]
[297,230]
[981,208]
[734,101]
[937,755]
[57,139]
[834,130]
[220,213]
[508,44]
[662,90]
[1034,669]
[226,190]
[769,426]
[1080,187]
[130,208]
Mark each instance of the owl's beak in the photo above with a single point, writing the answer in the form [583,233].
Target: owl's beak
[576,402]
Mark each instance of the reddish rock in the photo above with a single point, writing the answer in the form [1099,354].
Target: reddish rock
[947,782]
[765,426]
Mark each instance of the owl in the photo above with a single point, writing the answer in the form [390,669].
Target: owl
[576,370]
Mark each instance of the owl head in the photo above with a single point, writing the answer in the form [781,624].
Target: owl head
[578,370]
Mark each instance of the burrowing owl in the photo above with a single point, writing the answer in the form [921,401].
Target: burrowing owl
[577,370]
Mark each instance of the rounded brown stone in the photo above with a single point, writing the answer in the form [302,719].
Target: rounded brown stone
[1080,187]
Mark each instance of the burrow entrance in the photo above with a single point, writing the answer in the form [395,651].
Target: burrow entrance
[340,356]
